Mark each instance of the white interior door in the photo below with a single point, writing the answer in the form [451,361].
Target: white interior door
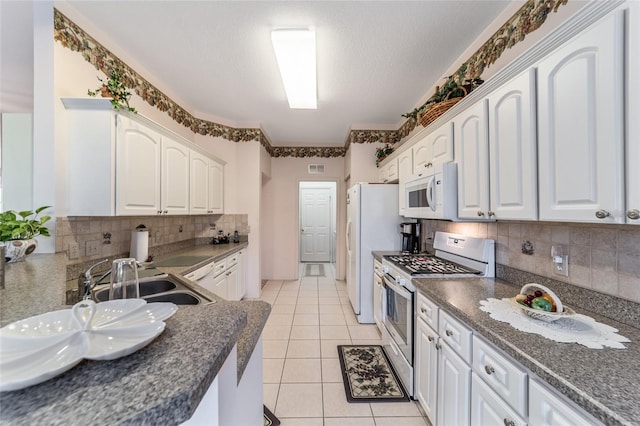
[315,224]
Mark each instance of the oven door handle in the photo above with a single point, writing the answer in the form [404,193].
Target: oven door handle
[396,288]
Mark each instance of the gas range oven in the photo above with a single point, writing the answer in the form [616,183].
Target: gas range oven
[455,256]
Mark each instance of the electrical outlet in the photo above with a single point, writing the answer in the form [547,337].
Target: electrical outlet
[92,248]
[562,267]
[74,251]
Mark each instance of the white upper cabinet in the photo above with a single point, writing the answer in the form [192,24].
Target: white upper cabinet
[472,155]
[436,147]
[216,187]
[175,178]
[388,173]
[405,171]
[513,168]
[138,153]
[580,119]
[124,164]
[199,184]
[633,110]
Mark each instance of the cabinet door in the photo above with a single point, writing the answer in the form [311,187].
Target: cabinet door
[488,409]
[454,389]
[138,153]
[175,177]
[199,183]
[232,283]
[512,149]
[377,300]
[220,285]
[216,187]
[405,170]
[242,280]
[420,155]
[383,174]
[472,155]
[548,409]
[426,374]
[633,112]
[440,144]
[580,137]
[392,171]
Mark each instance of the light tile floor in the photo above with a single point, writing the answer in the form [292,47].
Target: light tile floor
[302,378]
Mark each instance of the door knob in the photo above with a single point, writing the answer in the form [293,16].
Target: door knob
[633,214]
[601,214]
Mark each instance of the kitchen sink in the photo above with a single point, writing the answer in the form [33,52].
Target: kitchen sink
[163,289]
[177,297]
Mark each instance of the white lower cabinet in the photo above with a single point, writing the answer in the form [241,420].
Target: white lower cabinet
[547,408]
[454,389]
[228,279]
[494,390]
[378,303]
[442,377]
[426,374]
[488,409]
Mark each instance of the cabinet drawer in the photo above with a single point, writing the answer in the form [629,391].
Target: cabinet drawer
[219,268]
[488,409]
[232,260]
[377,267]
[427,311]
[457,335]
[502,375]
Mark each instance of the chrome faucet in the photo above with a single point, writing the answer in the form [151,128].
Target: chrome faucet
[85,283]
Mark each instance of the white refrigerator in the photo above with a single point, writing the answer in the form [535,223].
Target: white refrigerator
[373,224]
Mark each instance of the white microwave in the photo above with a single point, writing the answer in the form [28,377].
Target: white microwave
[433,193]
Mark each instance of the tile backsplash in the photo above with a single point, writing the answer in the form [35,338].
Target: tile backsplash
[112,235]
[603,258]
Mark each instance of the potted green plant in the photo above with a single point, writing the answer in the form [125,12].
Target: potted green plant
[115,89]
[18,231]
[382,152]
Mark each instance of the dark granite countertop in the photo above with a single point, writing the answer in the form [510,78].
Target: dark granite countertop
[165,380]
[602,381]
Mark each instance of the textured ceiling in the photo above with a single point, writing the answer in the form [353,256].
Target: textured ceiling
[376,59]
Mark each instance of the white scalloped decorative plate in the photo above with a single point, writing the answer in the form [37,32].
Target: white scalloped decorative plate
[39,348]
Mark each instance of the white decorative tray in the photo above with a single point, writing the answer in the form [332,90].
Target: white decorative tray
[38,348]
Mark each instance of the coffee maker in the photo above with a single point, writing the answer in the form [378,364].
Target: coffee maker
[410,237]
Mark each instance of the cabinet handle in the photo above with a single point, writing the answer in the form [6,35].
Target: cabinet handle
[509,422]
[430,338]
[489,369]
[633,214]
[438,346]
[491,214]
[429,164]
[448,332]
[480,213]
[423,310]
[601,214]
[166,212]
[159,211]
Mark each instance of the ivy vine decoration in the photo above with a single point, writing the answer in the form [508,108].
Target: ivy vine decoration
[382,152]
[450,89]
[115,89]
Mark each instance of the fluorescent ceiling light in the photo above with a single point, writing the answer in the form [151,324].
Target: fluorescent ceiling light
[296,55]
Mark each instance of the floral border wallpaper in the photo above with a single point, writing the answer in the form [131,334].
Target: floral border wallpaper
[528,18]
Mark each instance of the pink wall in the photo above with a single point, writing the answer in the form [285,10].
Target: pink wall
[280,214]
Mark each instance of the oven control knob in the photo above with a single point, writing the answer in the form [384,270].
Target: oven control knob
[400,280]
[385,269]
